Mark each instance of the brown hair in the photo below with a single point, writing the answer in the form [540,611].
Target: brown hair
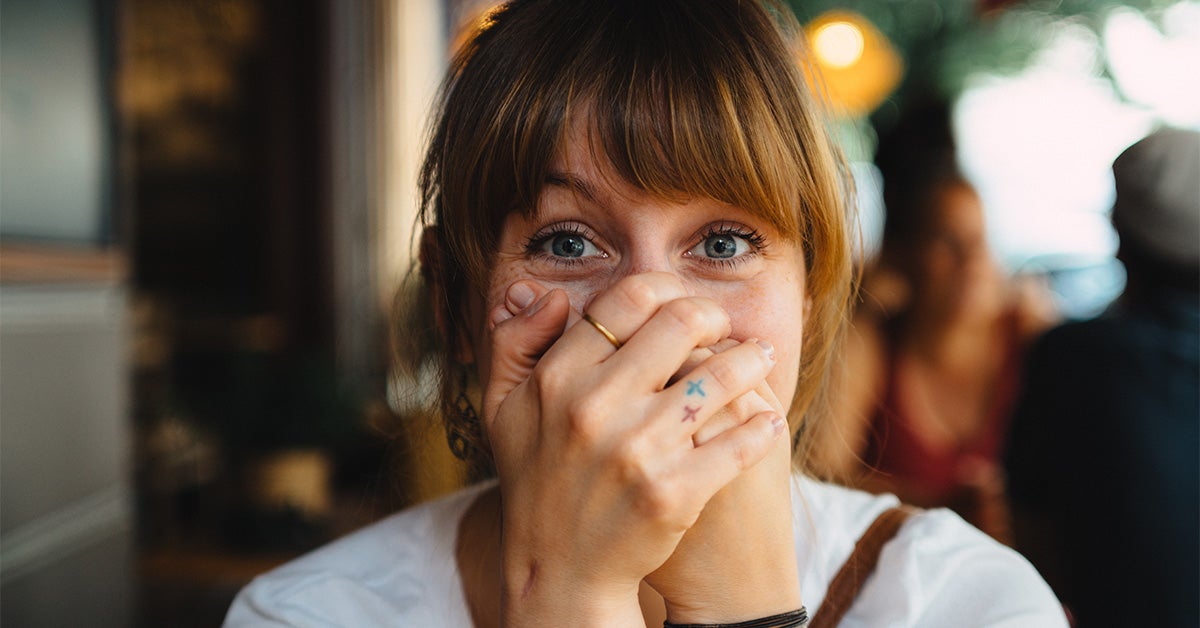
[685,99]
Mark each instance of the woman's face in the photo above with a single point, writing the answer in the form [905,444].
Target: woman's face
[592,229]
[958,274]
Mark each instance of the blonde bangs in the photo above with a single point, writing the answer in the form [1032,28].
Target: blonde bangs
[695,153]
[735,134]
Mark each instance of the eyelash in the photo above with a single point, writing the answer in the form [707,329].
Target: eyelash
[536,242]
[754,238]
[533,246]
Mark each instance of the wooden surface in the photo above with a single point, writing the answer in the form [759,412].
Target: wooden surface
[26,263]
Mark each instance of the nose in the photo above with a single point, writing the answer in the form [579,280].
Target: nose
[639,262]
[632,268]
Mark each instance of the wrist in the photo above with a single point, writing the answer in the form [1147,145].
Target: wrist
[744,594]
[719,577]
[538,609]
[545,595]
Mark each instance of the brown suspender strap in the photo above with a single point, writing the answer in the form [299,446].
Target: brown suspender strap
[850,578]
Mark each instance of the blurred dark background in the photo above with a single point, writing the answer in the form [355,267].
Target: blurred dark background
[207,207]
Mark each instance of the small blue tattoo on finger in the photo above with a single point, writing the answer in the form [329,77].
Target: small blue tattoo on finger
[695,389]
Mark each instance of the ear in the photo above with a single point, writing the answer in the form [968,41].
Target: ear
[432,259]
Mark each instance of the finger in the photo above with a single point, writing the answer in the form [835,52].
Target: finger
[517,297]
[724,344]
[518,342]
[710,387]
[761,399]
[622,309]
[767,393]
[655,353]
[732,415]
[734,451]
[700,355]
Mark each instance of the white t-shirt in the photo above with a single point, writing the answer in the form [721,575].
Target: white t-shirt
[401,571]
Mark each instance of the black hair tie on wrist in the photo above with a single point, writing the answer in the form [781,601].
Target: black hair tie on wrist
[790,619]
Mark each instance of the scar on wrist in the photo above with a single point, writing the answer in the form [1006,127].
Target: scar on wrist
[689,413]
[533,569]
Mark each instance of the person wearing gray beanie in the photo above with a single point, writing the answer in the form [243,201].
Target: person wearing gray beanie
[1102,460]
[1157,210]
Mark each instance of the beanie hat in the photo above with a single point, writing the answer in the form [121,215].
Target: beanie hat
[1158,196]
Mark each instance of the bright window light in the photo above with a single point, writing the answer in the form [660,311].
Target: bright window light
[1039,146]
[1158,69]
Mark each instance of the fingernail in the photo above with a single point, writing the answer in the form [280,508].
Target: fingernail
[521,295]
[537,305]
[779,424]
[499,315]
[768,348]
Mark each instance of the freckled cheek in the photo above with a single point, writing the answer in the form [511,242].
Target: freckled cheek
[778,321]
[580,291]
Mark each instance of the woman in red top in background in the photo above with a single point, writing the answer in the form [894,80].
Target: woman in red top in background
[934,357]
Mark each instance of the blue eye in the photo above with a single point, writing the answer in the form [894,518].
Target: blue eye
[567,245]
[722,246]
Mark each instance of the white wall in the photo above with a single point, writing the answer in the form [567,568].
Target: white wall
[66,538]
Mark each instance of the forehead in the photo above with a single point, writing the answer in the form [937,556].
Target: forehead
[581,164]
[590,165]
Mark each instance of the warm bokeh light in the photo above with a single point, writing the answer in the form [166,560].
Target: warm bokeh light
[838,44]
[858,67]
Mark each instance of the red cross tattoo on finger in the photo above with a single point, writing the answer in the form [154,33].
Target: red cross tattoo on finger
[689,413]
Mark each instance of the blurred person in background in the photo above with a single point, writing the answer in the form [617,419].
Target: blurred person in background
[933,361]
[1104,462]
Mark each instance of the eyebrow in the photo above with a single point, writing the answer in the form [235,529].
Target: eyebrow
[573,182]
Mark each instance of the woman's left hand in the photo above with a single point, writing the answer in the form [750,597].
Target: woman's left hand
[739,560]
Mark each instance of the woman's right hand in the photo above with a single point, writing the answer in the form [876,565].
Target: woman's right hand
[599,475]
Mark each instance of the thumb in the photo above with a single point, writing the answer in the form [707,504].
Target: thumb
[518,341]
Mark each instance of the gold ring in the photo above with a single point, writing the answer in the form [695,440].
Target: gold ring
[608,335]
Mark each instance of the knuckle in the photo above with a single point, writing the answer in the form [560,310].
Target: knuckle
[741,456]
[744,454]
[639,293]
[723,345]
[659,499]
[746,406]
[690,314]
[657,495]
[630,463]
[549,377]
[586,416]
[631,459]
[725,375]
[503,336]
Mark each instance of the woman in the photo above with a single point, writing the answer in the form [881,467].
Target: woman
[937,345]
[634,227]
